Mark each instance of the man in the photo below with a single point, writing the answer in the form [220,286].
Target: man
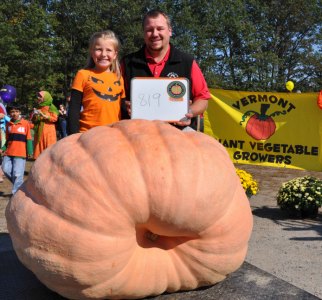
[159,58]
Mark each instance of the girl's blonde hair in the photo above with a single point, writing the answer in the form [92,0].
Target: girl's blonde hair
[108,35]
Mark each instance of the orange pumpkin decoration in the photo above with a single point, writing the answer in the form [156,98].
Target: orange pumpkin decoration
[260,129]
[176,89]
[129,210]
[260,126]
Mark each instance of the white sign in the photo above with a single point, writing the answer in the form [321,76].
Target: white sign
[163,98]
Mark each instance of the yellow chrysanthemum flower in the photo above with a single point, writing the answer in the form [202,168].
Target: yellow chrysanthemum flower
[248,183]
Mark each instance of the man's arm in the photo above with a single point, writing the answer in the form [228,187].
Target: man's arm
[198,107]
[199,94]
[195,109]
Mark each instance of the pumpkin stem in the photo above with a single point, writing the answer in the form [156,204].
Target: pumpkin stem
[151,236]
[264,108]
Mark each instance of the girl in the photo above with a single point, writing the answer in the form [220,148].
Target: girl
[44,119]
[98,89]
[62,123]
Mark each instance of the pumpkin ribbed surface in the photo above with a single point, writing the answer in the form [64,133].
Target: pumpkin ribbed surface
[129,210]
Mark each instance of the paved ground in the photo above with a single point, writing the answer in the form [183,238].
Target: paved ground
[290,249]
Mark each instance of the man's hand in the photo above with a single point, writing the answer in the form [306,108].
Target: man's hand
[196,108]
[186,121]
[128,106]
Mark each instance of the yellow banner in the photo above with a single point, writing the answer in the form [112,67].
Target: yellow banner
[271,129]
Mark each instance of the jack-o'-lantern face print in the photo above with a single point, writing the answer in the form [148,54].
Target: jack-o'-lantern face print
[107,92]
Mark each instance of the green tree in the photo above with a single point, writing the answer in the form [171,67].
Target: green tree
[74,23]
[240,44]
[259,44]
[26,51]
[253,44]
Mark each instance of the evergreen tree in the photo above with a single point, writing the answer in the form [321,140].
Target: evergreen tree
[239,44]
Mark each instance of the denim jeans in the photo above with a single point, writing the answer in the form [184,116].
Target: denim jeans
[14,169]
[62,123]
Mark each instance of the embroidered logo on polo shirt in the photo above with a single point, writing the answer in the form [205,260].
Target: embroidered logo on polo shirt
[173,75]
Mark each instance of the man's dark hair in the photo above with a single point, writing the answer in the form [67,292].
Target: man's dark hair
[154,13]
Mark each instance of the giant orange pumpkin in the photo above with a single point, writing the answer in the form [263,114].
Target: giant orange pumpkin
[129,210]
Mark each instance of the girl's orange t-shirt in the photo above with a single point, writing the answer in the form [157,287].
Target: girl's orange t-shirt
[102,94]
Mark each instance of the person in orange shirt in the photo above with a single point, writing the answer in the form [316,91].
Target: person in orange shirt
[18,146]
[97,89]
[44,119]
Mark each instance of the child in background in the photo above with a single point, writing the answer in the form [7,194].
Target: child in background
[62,123]
[18,146]
[44,119]
[4,118]
[99,88]
[3,121]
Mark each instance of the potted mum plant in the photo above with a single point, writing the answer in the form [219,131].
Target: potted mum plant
[301,196]
[249,184]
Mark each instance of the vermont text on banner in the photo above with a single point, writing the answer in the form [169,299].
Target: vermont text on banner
[266,128]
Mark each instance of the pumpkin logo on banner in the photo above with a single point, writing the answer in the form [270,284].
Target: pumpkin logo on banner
[101,90]
[260,126]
